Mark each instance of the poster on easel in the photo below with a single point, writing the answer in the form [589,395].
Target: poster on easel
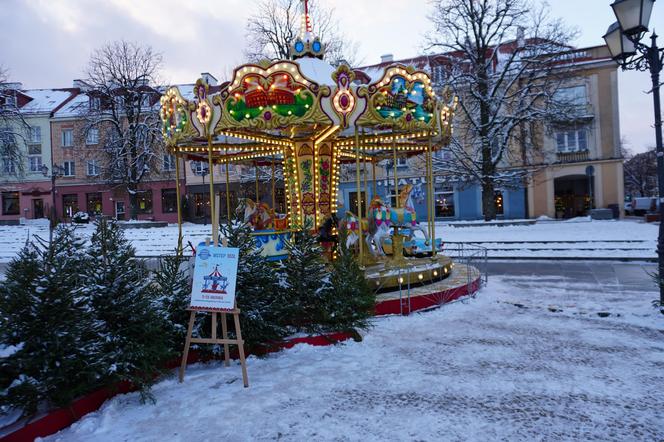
[215,275]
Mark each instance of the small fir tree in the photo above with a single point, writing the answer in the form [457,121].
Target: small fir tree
[171,287]
[46,315]
[133,331]
[306,281]
[265,308]
[351,302]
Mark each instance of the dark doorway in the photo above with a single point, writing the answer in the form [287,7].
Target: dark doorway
[38,208]
[572,196]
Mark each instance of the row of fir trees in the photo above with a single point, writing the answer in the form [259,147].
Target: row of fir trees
[85,314]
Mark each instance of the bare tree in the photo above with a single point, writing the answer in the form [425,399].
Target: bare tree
[122,79]
[13,129]
[503,63]
[641,174]
[276,24]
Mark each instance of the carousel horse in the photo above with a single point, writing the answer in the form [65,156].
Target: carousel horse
[259,215]
[382,216]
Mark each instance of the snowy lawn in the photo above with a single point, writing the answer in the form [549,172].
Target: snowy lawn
[615,239]
[579,237]
[528,359]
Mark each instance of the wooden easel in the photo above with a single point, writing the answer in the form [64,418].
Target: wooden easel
[213,339]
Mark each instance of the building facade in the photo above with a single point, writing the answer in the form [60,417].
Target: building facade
[85,184]
[25,183]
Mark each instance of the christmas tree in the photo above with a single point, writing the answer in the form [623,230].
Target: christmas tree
[46,315]
[305,279]
[264,307]
[171,287]
[133,330]
[351,302]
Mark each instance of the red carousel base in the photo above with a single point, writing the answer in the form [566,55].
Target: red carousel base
[464,280]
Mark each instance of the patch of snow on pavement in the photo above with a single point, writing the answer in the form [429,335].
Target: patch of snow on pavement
[530,358]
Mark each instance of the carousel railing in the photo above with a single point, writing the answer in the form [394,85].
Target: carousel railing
[474,257]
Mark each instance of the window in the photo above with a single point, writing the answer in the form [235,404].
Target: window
[93,203]
[201,204]
[10,203]
[572,140]
[352,199]
[169,163]
[93,168]
[443,154]
[574,96]
[8,165]
[70,204]
[169,201]
[402,162]
[35,135]
[145,102]
[10,100]
[95,103]
[92,137]
[35,163]
[498,202]
[444,201]
[67,137]
[68,168]
[144,201]
[34,157]
[199,167]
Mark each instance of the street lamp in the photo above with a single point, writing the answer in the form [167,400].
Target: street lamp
[624,42]
[57,172]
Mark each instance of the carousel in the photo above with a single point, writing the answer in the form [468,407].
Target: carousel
[310,123]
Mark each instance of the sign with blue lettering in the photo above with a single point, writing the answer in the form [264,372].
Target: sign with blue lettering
[215,274]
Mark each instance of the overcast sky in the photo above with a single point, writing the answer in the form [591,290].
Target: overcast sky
[46,43]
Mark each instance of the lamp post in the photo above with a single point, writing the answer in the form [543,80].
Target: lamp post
[624,42]
[57,172]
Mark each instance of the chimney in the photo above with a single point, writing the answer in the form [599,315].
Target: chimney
[387,58]
[521,36]
[209,78]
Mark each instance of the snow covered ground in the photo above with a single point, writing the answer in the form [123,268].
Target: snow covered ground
[530,358]
[574,238]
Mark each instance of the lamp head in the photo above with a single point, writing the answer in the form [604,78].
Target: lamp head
[633,15]
[620,46]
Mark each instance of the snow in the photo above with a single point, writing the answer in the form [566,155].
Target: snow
[44,100]
[528,359]
[617,239]
[580,238]
[316,70]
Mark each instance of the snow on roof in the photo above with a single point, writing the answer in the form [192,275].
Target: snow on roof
[75,107]
[44,100]
[316,70]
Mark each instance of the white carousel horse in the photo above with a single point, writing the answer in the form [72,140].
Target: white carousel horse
[382,216]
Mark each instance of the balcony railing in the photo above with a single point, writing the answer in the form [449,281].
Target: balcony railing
[572,157]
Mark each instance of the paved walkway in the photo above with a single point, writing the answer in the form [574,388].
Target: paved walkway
[614,276]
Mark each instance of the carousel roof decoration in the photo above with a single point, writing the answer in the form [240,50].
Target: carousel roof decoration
[306,45]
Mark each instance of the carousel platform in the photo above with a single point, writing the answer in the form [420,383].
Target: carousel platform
[461,280]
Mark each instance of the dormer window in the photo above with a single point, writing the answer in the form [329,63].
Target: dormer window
[10,100]
[95,103]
